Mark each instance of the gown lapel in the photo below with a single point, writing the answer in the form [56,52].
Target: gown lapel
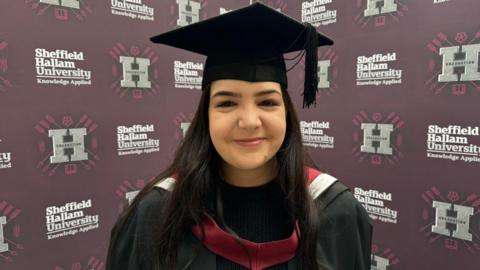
[192,255]
[259,256]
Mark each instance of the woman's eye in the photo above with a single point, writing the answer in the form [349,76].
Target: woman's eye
[269,103]
[225,104]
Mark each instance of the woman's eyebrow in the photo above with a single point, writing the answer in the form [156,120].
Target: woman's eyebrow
[267,92]
[236,94]
[224,93]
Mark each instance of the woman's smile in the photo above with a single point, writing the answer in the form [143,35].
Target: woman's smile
[251,142]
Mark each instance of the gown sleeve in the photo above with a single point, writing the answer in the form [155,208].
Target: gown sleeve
[345,234]
[132,244]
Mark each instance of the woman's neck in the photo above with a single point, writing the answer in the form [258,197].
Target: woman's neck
[249,178]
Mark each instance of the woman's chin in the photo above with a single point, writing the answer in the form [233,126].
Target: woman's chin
[249,163]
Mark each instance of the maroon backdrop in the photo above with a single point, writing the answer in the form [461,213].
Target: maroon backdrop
[90,111]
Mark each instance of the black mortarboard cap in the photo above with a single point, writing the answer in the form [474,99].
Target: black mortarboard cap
[248,44]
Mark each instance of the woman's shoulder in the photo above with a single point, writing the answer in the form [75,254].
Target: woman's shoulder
[152,200]
[345,229]
[151,203]
[132,236]
[338,205]
[331,195]
[345,204]
[157,193]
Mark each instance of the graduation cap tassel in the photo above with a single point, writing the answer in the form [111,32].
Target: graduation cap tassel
[311,66]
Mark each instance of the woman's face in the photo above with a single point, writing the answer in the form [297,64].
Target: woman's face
[247,122]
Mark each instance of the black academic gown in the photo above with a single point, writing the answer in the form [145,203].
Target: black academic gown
[344,242]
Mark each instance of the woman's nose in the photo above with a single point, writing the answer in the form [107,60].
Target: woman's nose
[249,118]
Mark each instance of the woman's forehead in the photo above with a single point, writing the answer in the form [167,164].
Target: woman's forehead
[243,88]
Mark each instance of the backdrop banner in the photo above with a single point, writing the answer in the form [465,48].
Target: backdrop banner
[91,111]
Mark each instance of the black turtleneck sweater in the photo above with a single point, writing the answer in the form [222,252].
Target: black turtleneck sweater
[258,214]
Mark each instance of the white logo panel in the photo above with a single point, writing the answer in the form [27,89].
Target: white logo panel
[3,244]
[68,145]
[135,72]
[188,12]
[63,3]
[454,215]
[376,138]
[377,7]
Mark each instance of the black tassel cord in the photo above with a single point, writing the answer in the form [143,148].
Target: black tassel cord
[311,66]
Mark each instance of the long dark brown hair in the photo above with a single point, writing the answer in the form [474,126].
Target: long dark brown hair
[196,165]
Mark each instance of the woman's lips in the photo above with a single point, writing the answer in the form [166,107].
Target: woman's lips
[250,142]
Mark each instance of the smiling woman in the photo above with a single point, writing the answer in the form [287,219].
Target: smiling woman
[238,194]
[247,128]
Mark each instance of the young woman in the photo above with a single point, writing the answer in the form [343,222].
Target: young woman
[238,194]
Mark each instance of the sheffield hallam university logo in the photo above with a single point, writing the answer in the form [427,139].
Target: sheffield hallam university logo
[185,12]
[3,243]
[10,233]
[318,12]
[62,10]
[188,75]
[182,121]
[377,69]
[136,140]
[327,73]
[5,159]
[4,82]
[316,134]
[60,67]
[69,143]
[70,219]
[134,9]
[377,204]
[455,64]
[383,259]
[379,263]
[380,11]
[134,71]
[453,142]
[92,264]
[323,67]
[378,137]
[452,218]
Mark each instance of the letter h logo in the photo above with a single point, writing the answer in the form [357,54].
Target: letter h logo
[376,7]
[3,244]
[135,72]
[68,145]
[380,263]
[460,63]
[131,195]
[184,126]
[63,3]
[323,81]
[188,12]
[376,138]
[454,225]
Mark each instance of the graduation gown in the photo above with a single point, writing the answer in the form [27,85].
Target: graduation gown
[344,241]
